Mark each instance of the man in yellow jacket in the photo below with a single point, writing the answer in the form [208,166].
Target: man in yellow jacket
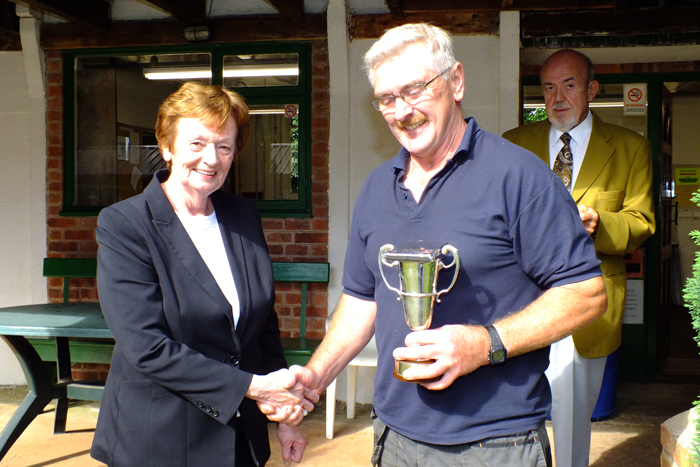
[608,171]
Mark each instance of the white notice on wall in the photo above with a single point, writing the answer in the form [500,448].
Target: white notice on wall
[634,303]
[634,97]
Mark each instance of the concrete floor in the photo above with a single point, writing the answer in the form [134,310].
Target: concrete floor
[630,438]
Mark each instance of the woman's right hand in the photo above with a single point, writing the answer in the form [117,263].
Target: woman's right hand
[282,397]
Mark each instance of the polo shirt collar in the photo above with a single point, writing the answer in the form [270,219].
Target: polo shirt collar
[399,162]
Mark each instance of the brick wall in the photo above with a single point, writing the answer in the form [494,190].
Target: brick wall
[289,239]
[304,239]
[69,237]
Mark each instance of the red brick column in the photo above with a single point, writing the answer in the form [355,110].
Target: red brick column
[304,239]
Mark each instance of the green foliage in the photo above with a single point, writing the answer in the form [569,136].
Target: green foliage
[534,115]
[691,296]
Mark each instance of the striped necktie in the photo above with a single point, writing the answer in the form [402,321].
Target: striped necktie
[564,162]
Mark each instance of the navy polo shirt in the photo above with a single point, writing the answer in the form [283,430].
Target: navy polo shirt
[518,233]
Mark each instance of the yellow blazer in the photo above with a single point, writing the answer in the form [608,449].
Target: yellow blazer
[616,180]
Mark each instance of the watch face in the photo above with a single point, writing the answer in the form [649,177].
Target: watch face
[498,356]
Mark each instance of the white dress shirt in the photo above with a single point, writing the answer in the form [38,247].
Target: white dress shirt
[580,135]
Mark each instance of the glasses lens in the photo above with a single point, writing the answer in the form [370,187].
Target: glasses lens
[413,92]
[384,102]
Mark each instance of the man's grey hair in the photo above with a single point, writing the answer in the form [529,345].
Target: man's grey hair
[436,40]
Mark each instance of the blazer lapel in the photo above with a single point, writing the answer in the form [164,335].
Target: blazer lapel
[540,141]
[597,155]
[230,231]
[181,246]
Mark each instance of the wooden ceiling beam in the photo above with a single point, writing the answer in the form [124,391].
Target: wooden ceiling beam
[680,19]
[457,23]
[419,6]
[188,11]
[395,7]
[9,22]
[9,27]
[94,14]
[291,9]
[169,32]
[10,41]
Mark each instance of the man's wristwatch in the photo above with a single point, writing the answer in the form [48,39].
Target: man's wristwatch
[497,352]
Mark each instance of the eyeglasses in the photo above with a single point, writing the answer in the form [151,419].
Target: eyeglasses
[410,95]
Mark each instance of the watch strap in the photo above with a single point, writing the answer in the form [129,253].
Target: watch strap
[497,352]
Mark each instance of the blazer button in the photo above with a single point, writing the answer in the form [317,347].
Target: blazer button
[215,413]
[200,404]
[234,360]
[208,409]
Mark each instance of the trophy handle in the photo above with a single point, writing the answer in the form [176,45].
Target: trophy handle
[382,250]
[455,262]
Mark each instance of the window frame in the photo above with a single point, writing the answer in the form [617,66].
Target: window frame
[299,94]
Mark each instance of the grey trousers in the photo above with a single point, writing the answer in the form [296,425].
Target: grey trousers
[522,450]
[575,383]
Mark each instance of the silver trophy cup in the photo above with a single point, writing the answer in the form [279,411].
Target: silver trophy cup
[418,273]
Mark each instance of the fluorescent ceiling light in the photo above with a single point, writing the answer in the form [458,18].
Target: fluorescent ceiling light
[261,70]
[229,72]
[267,112]
[172,73]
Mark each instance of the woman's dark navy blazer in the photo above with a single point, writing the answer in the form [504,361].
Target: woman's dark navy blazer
[180,369]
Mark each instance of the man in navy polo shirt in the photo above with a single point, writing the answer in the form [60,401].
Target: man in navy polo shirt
[528,273]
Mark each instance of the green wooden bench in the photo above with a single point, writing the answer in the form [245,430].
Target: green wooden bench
[87,350]
[81,350]
[298,350]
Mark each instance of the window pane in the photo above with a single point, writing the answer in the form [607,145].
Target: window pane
[533,104]
[116,102]
[110,148]
[268,168]
[261,70]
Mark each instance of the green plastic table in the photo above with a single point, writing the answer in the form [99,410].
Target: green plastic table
[60,321]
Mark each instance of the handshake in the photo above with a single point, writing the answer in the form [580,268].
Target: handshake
[286,396]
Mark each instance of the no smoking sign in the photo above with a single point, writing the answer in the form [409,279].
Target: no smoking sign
[291,110]
[635,99]
[634,94]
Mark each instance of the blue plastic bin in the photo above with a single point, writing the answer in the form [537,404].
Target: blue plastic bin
[607,406]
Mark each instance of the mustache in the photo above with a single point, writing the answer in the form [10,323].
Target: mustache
[412,120]
[561,106]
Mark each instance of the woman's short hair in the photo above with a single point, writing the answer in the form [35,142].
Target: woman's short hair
[436,40]
[211,104]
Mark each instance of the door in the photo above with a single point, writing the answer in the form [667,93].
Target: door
[677,351]
[664,230]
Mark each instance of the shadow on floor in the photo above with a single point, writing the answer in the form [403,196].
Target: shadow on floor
[629,438]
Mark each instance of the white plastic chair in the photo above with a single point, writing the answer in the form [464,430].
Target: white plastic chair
[367,357]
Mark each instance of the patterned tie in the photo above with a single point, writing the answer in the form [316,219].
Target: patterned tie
[564,162]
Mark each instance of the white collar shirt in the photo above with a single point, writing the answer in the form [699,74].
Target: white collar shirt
[580,136]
